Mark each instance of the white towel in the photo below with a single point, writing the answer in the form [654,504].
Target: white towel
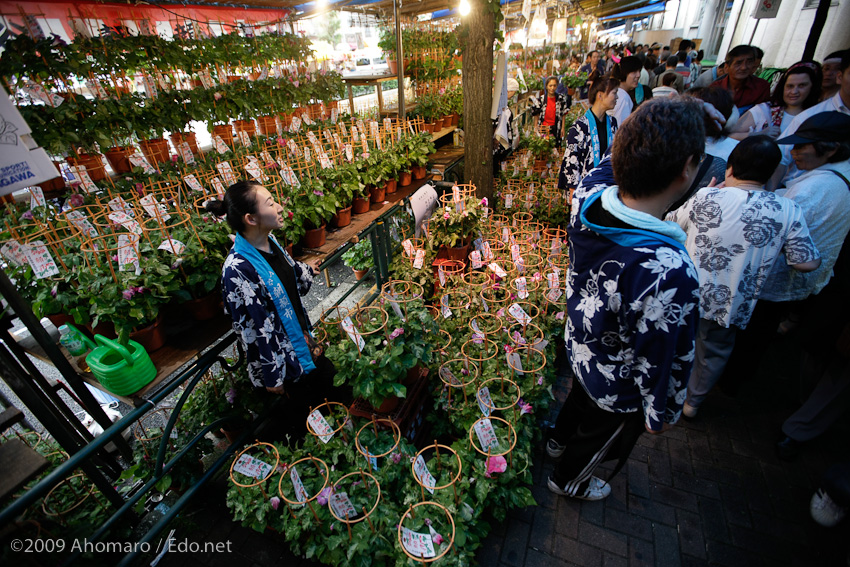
[500,91]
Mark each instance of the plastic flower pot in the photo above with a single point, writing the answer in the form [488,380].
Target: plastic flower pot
[419,171]
[151,337]
[156,150]
[391,186]
[360,205]
[314,237]
[206,307]
[119,158]
[404,178]
[342,217]
[93,164]
[378,194]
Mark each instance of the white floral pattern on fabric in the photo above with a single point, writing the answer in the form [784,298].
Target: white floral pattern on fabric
[735,237]
[578,153]
[631,318]
[271,359]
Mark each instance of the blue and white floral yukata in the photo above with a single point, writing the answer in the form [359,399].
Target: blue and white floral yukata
[271,355]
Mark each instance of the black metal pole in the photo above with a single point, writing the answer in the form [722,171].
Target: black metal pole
[817,28]
[399,49]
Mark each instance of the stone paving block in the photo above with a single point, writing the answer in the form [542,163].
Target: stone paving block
[627,523]
[758,497]
[659,467]
[690,561]
[573,551]
[611,560]
[524,514]
[735,506]
[691,540]
[747,448]
[652,510]
[638,478]
[542,495]
[567,517]
[781,550]
[641,553]
[728,556]
[543,531]
[639,453]
[593,512]
[793,531]
[666,546]
[680,456]
[713,519]
[673,497]
[698,443]
[536,558]
[619,493]
[657,442]
[709,470]
[489,552]
[515,542]
[605,539]
[696,485]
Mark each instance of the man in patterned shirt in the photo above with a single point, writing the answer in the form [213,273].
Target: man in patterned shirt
[631,297]
[735,235]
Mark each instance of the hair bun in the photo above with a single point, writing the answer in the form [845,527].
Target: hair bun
[216,207]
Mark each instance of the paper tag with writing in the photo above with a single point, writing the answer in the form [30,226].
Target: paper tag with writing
[477,335]
[81,222]
[506,234]
[448,376]
[520,265]
[394,304]
[388,124]
[444,307]
[185,151]
[498,270]
[488,252]
[417,544]
[485,403]
[355,134]
[408,247]
[442,275]
[297,485]
[295,125]
[552,279]
[139,160]
[253,467]
[220,146]
[348,327]
[338,142]
[41,260]
[226,172]
[514,361]
[349,152]
[522,288]
[486,435]
[320,426]
[343,128]
[519,314]
[172,245]
[554,294]
[555,250]
[419,259]
[334,115]
[475,258]
[509,201]
[78,175]
[14,252]
[288,175]
[420,469]
[217,185]
[327,134]
[154,209]
[206,79]
[254,170]
[128,253]
[126,221]
[39,93]
[341,505]
[244,139]
[324,160]
[36,197]
[515,252]
[540,344]
[306,118]
[193,183]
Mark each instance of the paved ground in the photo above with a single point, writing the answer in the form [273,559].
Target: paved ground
[708,492]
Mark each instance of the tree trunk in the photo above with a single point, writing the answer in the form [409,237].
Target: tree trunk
[478,96]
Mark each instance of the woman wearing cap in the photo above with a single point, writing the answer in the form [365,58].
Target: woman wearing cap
[590,135]
[799,88]
[262,287]
[552,108]
[631,93]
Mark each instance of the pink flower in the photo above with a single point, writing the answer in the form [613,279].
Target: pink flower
[465,214]
[296,83]
[559,316]
[128,294]
[323,496]
[446,216]
[230,396]
[484,202]
[500,313]
[437,539]
[76,200]
[281,141]
[537,276]
[524,407]
[218,96]
[114,257]
[496,465]
[540,380]
[509,349]
[289,215]
[275,502]
[396,458]
[318,193]
[397,333]
[372,362]
[27,216]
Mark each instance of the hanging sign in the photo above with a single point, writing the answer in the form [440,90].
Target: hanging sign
[41,260]
[320,426]
[766,9]
[14,252]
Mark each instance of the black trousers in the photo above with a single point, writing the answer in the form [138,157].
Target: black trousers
[591,435]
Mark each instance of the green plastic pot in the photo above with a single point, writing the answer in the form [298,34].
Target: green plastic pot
[121,370]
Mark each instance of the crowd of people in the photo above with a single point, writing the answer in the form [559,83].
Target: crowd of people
[709,214]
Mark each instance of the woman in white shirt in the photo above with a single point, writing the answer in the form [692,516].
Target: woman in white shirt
[798,89]
[717,142]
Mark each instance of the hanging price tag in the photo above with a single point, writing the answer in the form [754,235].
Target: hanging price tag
[220,146]
[448,376]
[488,252]
[420,469]
[153,209]
[172,245]
[139,160]
[81,222]
[193,183]
[320,426]
[267,157]
[306,118]
[185,152]
[254,170]
[150,85]
[226,172]
[355,134]
[128,253]
[409,251]
[348,327]
[324,160]
[217,186]
[334,115]
[444,307]
[293,147]
[554,294]
[515,252]
[327,134]
[475,259]
[555,249]
[342,506]
[486,435]
[14,252]
[520,265]
[253,467]
[244,139]
[126,221]
[506,235]
[36,197]
[498,270]
[343,128]
[96,88]
[39,93]
[519,314]
[552,279]
[522,288]
[295,126]
[388,124]
[298,486]
[442,275]
[417,544]
[515,362]
[288,175]
[485,403]
[419,259]
[349,152]
[509,201]
[78,175]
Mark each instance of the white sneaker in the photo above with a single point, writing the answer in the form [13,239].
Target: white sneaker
[597,489]
[825,511]
[689,411]
[555,449]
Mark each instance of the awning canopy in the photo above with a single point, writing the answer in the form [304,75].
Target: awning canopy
[647,10]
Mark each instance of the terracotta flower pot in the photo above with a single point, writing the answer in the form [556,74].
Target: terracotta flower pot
[438,124]
[427,127]
[268,125]
[59,319]
[378,194]
[314,237]
[360,205]
[189,137]
[285,119]
[455,118]
[316,111]
[206,307]
[393,65]
[105,328]
[342,217]
[247,126]
[404,178]
[388,405]
[53,185]
[225,132]
[119,158]
[392,186]
[232,434]
[419,172]
[93,164]
[359,274]
[447,120]
[151,337]
[458,253]
[331,105]
[156,150]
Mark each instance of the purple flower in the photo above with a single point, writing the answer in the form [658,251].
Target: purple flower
[53,292]
[323,496]
[76,200]
[397,333]
[128,294]
[396,457]
[484,202]
[540,380]
[464,371]
[427,521]
[275,502]
[318,193]
[437,539]
[27,216]
[114,257]
[372,362]
[230,396]
[296,83]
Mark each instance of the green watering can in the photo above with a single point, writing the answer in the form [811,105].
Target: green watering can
[121,370]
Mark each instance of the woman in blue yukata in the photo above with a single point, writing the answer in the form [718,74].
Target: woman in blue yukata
[590,135]
[262,287]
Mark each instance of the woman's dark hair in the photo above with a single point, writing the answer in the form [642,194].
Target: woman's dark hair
[810,68]
[604,85]
[721,99]
[240,199]
[842,150]
[625,67]
[754,159]
[650,63]
[653,145]
[668,79]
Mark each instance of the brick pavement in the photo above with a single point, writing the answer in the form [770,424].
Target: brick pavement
[707,492]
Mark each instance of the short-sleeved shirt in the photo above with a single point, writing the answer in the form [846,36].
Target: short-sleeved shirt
[734,238]
[754,91]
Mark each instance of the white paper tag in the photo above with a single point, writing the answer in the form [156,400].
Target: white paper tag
[519,314]
[408,247]
[522,288]
[125,221]
[417,544]
[419,260]
[509,201]
[306,118]
[488,252]
[485,403]
[253,467]
[244,139]
[448,376]
[40,259]
[552,279]
[342,506]
[128,253]
[78,175]
[172,245]
[226,173]
[296,124]
[486,435]
[420,469]
[153,209]
[394,304]
[515,362]
[14,252]
[119,205]
[193,183]
[320,426]
[334,115]
[442,275]
[288,175]
[36,197]
[254,170]
[217,185]
[297,485]
[477,335]
[139,160]
[348,327]
[498,270]
[444,307]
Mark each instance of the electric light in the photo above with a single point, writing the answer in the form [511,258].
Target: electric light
[464,7]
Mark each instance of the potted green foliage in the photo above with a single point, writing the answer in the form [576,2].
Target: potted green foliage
[453,227]
[359,258]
